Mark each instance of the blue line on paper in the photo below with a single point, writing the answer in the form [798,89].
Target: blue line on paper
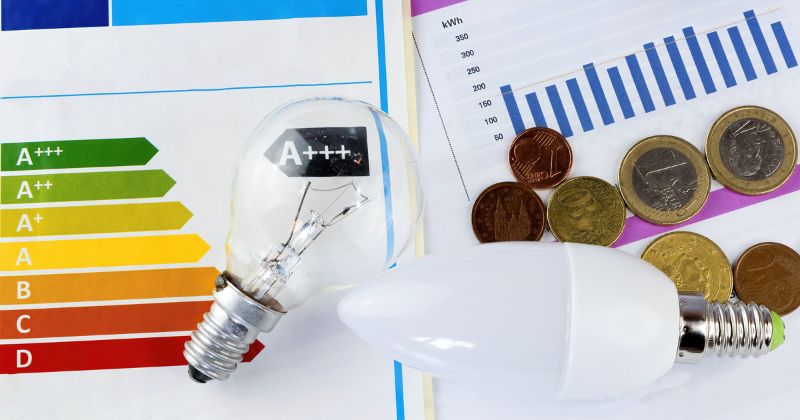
[149,92]
[597,92]
[722,59]
[536,110]
[699,60]
[640,83]
[741,53]
[513,109]
[680,68]
[785,46]
[580,104]
[619,90]
[558,110]
[761,42]
[658,72]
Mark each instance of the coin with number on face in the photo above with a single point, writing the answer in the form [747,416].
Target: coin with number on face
[586,210]
[751,150]
[508,211]
[694,263]
[769,274]
[540,157]
[664,180]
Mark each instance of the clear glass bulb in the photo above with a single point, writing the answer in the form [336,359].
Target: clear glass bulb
[326,194]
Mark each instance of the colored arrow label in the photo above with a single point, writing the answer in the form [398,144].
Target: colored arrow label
[92,219]
[102,320]
[60,154]
[111,285]
[99,354]
[45,188]
[101,252]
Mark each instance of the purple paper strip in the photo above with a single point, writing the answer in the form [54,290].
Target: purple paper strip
[419,7]
[719,202]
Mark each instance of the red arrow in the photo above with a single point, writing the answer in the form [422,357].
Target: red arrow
[98,354]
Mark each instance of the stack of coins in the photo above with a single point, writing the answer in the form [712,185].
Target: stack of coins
[583,209]
[664,180]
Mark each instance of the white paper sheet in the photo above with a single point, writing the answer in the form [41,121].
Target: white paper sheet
[529,46]
[196,91]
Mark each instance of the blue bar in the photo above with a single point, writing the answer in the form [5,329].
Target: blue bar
[639,82]
[658,72]
[599,96]
[783,43]
[558,110]
[580,105]
[513,109]
[699,60]
[50,14]
[680,68]
[741,52]
[622,94]
[722,59]
[761,42]
[536,110]
[381,41]
[400,406]
[150,12]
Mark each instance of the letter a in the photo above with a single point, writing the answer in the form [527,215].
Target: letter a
[24,189]
[24,256]
[24,156]
[27,363]
[290,152]
[24,222]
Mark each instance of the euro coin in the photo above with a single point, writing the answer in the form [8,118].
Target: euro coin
[769,274]
[508,211]
[694,263]
[664,180]
[751,150]
[540,157]
[586,210]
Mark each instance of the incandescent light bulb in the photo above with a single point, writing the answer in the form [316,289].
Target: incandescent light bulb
[325,195]
[549,320]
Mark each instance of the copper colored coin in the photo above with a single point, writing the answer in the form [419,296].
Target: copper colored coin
[769,274]
[540,157]
[508,211]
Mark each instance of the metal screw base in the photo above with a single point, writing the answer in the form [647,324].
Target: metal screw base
[730,328]
[225,335]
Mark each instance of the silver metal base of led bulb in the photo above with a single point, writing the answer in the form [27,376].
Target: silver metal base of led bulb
[730,328]
[226,333]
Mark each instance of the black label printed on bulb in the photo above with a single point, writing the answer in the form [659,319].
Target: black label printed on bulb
[321,152]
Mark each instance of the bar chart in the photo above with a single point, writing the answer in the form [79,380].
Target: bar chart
[60,319]
[657,63]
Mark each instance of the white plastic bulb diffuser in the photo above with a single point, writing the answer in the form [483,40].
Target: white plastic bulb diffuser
[325,195]
[548,320]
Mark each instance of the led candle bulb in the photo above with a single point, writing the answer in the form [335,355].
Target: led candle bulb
[549,320]
[325,195]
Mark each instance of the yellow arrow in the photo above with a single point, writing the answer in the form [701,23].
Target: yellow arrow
[102,252]
[73,220]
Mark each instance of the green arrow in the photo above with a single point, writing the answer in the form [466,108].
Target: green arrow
[45,188]
[61,154]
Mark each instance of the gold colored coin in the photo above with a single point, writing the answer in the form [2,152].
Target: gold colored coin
[694,263]
[751,150]
[664,180]
[586,210]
